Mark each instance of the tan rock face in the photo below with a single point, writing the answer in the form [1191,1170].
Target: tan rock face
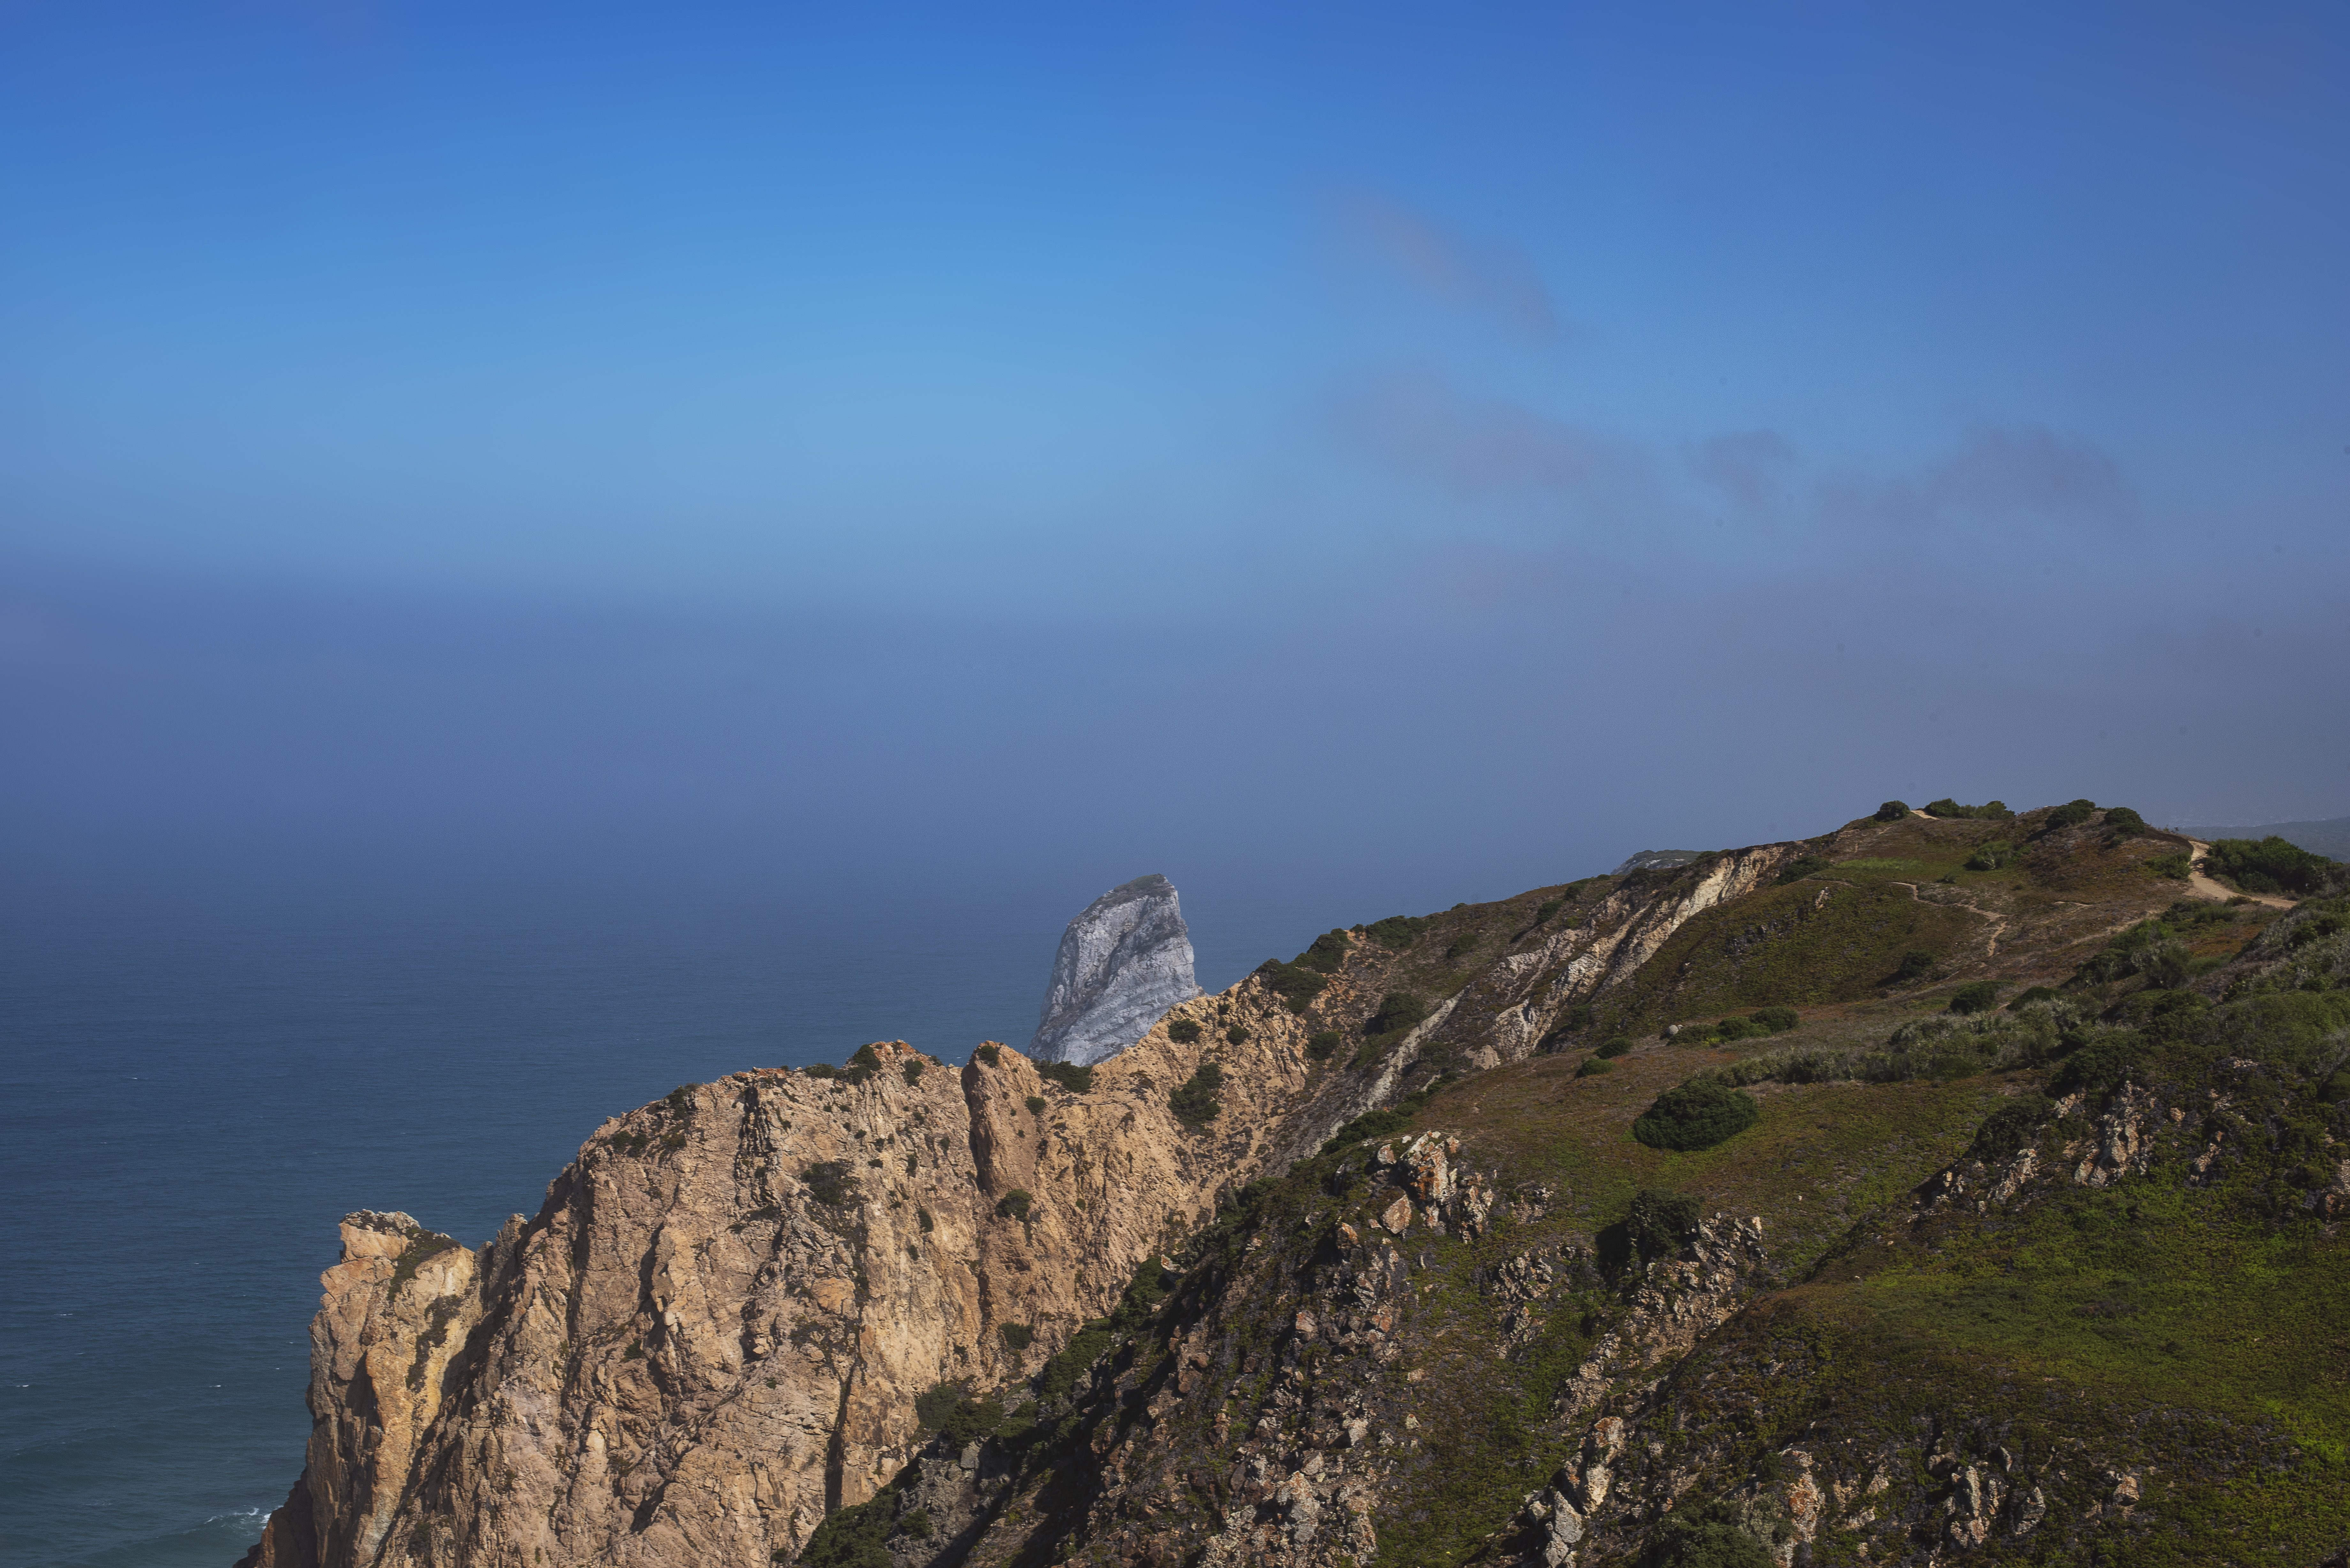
[715,1329]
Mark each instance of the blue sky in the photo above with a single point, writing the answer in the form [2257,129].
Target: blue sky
[1122,438]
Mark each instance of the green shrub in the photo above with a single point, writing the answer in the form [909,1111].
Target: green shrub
[1183,1031]
[1777,1020]
[1729,1029]
[933,1405]
[1618,1046]
[1660,1224]
[2269,866]
[2072,814]
[2101,1066]
[1015,1205]
[1462,946]
[866,1060]
[1546,909]
[916,1524]
[988,1053]
[912,1070]
[1684,1542]
[1892,810]
[680,1099]
[1328,953]
[1296,986]
[1992,856]
[830,1183]
[1915,964]
[2177,867]
[1398,1010]
[1807,865]
[1195,1103]
[1975,996]
[1016,1336]
[1397,931]
[1592,1066]
[2336,1087]
[1993,810]
[1075,1359]
[1371,1125]
[1036,1104]
[2037,993]
[1068,1074]
[853,1537]
[1237,1034]
[2010,1128]
[1322,1045]
[1697,1115]
[2121,822]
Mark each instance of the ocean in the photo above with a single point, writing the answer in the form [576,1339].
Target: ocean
[196,1085]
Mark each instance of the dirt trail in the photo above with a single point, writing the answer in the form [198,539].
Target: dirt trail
[2203,886]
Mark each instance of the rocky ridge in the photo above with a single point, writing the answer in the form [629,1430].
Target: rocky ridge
[1122,963]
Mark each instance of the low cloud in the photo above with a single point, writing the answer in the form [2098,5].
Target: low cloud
[1500,283]
[1417,419]
[2014,474]
[1750,465]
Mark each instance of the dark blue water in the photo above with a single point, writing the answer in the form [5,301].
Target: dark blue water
[196,1083]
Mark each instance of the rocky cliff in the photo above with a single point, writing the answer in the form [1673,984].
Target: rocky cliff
[1122,963]
[1360,1259]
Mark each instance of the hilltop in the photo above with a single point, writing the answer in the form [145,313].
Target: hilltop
[1956,1183]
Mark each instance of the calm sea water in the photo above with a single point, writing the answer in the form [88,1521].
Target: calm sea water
[194,1089]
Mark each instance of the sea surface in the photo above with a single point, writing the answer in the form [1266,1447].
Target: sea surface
[196,1087]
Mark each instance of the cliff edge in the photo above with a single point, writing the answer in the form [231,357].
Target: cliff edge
[1122,963]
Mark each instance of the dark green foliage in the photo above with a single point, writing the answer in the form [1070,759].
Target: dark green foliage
[1183,1031]
[1328,953]
[1237,1034]
[1991,856]
[1462,946]
[1398,1010]
[831,1183]
[2102,1066]
[1322,1045]
[1077,1358]
[1991,810]
[1809,865]
[1370,1125]
[1195,1103]
[1975,996]
[2337,1088]
[2121,822]
[2072,814]
[1697,1115]
[2010,1128]
[2177,868]
[1777,1020]
[421,1246]
[1036,1104]
[1548,907]
[916,1524]
[1015,1205]
[936,1403]
[1397,931]
[913,1071]
[2037,993]
[2317,928]
[866,1060]
[988,1055]
[636,1351]
[1915,964]
[680,1099]
[1592,1066]
[1068,1074]
[923,1218]
[853,1537]
[1295,985]
[2272,865]
[1738,1029]
[1016,1336]
[1892,810]
[1686,1541]
[1618,1046]
[1661,1223]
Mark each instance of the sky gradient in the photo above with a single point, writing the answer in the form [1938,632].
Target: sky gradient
[1384,454]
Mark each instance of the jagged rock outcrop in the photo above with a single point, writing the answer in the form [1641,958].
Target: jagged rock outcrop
[1122,963]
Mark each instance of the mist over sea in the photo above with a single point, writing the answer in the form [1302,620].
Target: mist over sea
[200,1074]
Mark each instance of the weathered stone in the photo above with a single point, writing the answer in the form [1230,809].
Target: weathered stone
[1122,963]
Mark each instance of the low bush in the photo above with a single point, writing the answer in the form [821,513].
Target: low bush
[1993,857]
[2177,867]
[1618,1047]
[2072,814]
[1397,931]
[1016,1336]
[1661,1223]
[1546,909]
[1328,953]
[1697,1115]
[1322,1045]
[916,1524]
[1068,1074]
[831,1183]
[1183,1031]
[1777,1020]
[1592,1066]
[988,1055]
[1195,1103]
[1892,810]
[1295,985]
[1991,810]
[2037,993]
[936,1403]
[853,1537]
[1462,946]
[2010,1128]
[1807,865]
[2101,1066]
[2271,865]
[1398,1010]
[1975,996]
[1370,1125]
[1015,1205]
[912,1070]
[1036,1104]
[1237,1034]
[1915,964]
[2121,823]
[1690,1539]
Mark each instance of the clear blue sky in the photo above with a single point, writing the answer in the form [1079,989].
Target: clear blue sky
[1420,451]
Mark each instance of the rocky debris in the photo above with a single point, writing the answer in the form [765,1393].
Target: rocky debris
[1122,963]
